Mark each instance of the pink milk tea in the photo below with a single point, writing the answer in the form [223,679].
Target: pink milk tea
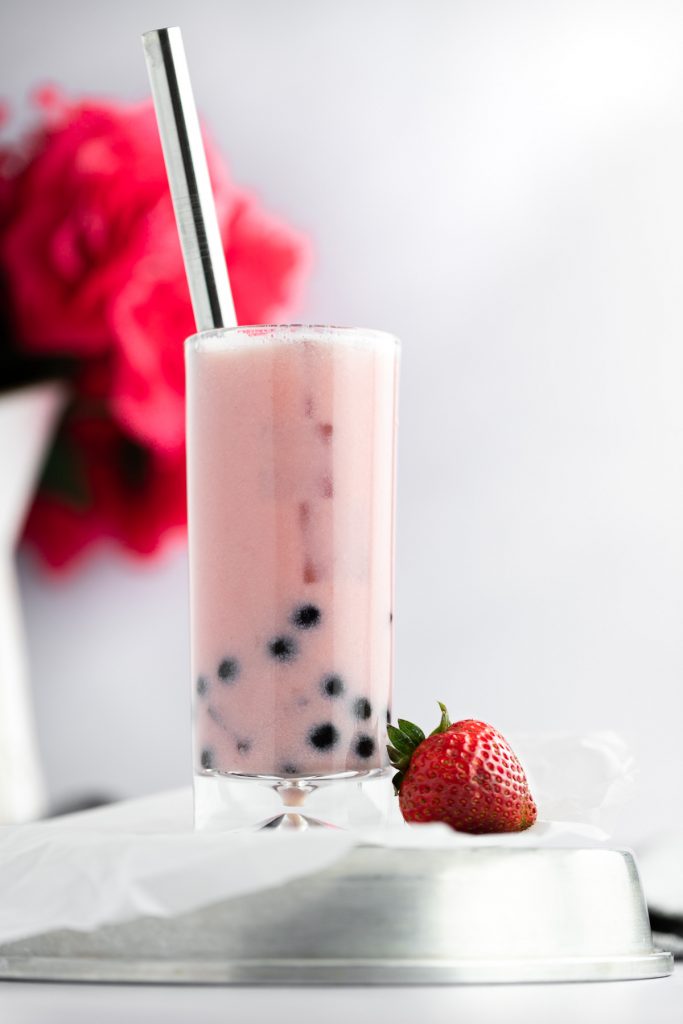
[291,480]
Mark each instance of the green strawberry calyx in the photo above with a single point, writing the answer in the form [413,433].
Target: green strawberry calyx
[406,739]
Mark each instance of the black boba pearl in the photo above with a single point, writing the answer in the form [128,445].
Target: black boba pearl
[290,769]
[228,670]
[362,708]
[323,737]
[206,759]
[243,746]
[202,686]
[306,616]
[364,746]
[283,648]
[388,716]
[332,686]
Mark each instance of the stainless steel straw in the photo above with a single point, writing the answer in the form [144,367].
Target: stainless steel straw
[188,178]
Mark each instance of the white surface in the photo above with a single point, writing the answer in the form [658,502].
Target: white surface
[142,857]
[622,1002]
[89,872]
[499,185]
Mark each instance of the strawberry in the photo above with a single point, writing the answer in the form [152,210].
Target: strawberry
[464,774]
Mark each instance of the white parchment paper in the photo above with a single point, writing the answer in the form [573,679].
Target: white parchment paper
[142,857]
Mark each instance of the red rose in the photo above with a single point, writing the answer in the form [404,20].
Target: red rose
[152,315]
[120,491]
[92,264]
[76,222]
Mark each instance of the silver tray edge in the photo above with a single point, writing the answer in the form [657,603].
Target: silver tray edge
[657,964]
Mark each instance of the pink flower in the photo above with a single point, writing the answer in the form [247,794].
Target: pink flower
[90,255]
[77,221]
[122,492]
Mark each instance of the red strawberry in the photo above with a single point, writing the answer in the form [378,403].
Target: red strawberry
[465,775]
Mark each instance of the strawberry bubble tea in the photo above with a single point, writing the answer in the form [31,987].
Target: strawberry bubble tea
[291,476]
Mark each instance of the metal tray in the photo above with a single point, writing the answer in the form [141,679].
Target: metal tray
[385,916]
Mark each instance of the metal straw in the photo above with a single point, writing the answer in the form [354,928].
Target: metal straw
[188,178]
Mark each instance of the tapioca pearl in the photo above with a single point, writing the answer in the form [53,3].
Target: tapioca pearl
[202,686]
[289,769]
[206,758]
[362,709]
[283,648]
[311,572]
[228,670]
[304,514]
[388,716]
[243,746]
[326,430]
[391,617]
[324,736]
[306,616]
[327,487]
[332,686]
[364,746]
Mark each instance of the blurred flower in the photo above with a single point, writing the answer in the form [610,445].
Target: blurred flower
[93,273]
[120,490]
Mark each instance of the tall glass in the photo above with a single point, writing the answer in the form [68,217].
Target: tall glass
[291,435]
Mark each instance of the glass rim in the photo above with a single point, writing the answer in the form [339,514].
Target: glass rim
[270,331]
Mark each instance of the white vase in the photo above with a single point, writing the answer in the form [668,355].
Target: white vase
[27,421]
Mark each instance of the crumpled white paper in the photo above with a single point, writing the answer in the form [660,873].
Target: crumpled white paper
[142,857]
[577,778]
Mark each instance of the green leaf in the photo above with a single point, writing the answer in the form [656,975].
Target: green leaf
[64,473]
[399,740]
[400,761]
[397,780]
[413,732]
[444,723]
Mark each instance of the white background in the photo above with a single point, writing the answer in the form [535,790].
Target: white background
[500,185]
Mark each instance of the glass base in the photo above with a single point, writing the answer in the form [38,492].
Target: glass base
[235,802]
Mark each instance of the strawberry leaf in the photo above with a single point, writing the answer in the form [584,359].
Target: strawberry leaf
[406,739]
[403,743]
[413,732]
[400,761]
[444,723]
